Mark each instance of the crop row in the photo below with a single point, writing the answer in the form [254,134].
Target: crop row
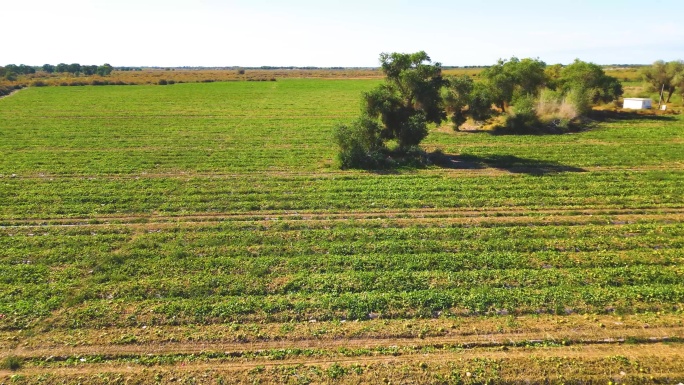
[96,313]
[46,198]
[64,245]
[281,271]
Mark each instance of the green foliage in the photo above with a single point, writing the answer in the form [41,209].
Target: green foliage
[458,97]
[21,69]
[398,110]
[514,76]
[74,68]
[11,362]
[580,99]
[481,101]
[667,76]
[524,115]
[359,143]
[104,70]
[589,79]
[409,99]
[575,88]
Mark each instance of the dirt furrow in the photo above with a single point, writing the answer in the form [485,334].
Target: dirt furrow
[577,337]
[512,215]
[461,169]
[525,354]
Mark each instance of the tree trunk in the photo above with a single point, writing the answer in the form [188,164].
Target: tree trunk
[670,91]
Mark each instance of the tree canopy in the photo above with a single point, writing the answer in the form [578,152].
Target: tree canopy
[591,79]
[514,77]
[396,114]
[408,99]
[665,75]
[397,110]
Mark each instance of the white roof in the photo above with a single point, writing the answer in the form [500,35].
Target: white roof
[637,98]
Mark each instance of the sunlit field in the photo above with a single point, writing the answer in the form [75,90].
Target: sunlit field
[203,233]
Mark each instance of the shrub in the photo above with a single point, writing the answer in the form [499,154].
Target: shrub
[240,72]
[38,83]
[11,363]
[360,144]
[580,100]
[5,90]
[524,116]
[162,82]
[171,82]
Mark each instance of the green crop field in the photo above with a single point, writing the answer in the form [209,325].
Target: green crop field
[202,233]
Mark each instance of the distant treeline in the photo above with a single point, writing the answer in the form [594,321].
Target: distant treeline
[10,71]
[233,68]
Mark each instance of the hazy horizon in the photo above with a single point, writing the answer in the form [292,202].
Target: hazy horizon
[306,33]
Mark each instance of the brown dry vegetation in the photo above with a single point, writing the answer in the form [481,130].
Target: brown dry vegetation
[153,76]
[640,348]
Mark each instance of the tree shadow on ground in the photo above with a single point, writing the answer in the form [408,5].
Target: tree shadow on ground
[509,163]
[645,115]
[584,124]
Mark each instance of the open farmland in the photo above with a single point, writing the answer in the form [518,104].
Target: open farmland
[201,233]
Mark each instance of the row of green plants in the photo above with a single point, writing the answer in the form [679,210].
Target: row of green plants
[101,197]
[260,270]
[302,307]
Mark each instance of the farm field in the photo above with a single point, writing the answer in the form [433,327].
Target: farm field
[202,233]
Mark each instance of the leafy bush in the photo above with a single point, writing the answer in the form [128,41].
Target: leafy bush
[524,115]
[6,90]
[38,83]
[11,363]
[360,144]
[162,82]
[580,100]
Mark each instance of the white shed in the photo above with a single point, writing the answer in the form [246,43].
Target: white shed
[637,103]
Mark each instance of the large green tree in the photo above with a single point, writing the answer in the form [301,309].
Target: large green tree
[510,78]
[679,83]
[458,98]
[409,99]
[664,75]
[589,79]
[74,68]
[397,110]
[62,67]
[105,69]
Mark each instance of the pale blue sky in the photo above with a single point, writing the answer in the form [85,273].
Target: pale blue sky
[337,33]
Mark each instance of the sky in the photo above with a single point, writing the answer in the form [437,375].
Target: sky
[348,33]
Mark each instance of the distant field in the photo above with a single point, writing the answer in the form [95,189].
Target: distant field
[201,233]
